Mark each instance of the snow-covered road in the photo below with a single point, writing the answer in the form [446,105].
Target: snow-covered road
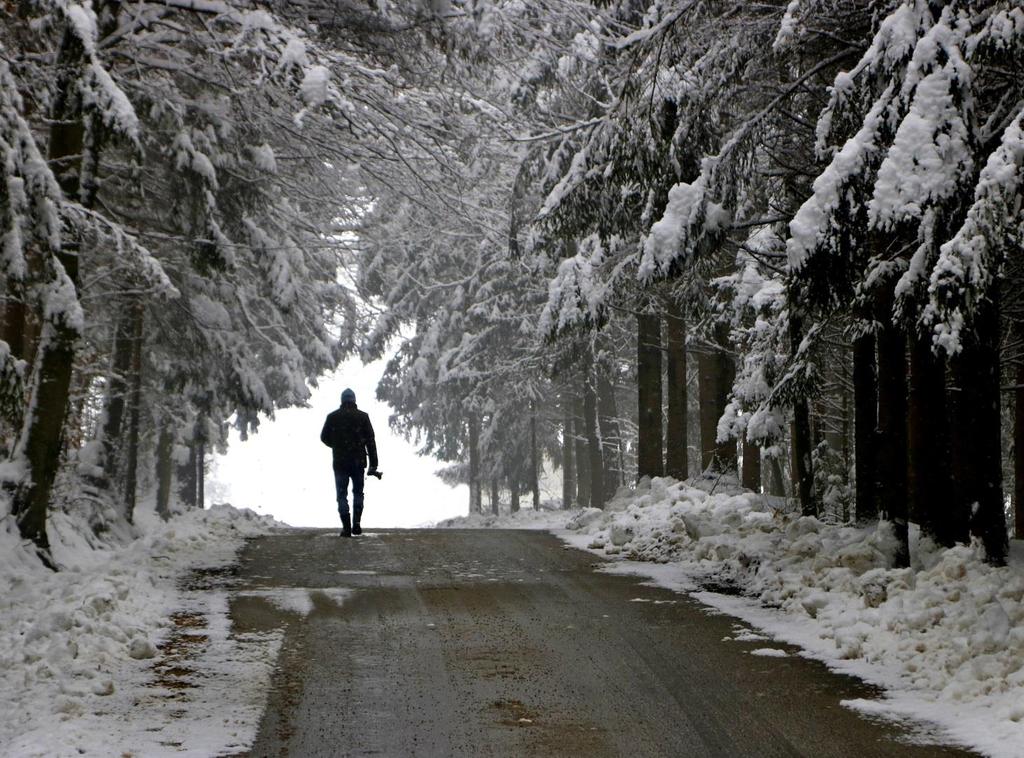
[492,642]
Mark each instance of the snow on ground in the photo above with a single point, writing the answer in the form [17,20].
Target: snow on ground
[944,638]
[125,651]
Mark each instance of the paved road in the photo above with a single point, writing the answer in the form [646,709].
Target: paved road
[502,643]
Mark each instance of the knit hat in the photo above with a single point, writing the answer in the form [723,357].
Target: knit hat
[348,396]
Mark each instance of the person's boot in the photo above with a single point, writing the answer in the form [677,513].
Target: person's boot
[346,526]
[357,513]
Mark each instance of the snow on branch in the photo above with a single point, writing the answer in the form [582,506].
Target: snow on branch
[126,245]
[189,157]
[930,154]
[60,302]
[817,223]
[691,221]
[654,28]
[12,385]
[201,6]
[576,295]
[30,198]
[99,92]
[787,27]
[964,274]
[890,49]
[759,325]
[574,177]
[799,379]
[277,261]
[1002,30]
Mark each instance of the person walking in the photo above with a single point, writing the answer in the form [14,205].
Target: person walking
[349,434]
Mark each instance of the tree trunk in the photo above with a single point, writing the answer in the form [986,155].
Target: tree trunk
[135,398]
[1018,444]
[677,462]
[802,468]
[568,456]
[187,478]
[891,465]
[802,444]
[608,426]
[648,382]
[777,479]
[39,445]
[164,469]
[513,488]
[927,444]
[582,455]
[844,447]
[534,462]
[75,432]
[595,463]
[865,423]
[707,391]
[475,494]
[116,399]
[751,465]
[494,497]
[716,373]
[12,319]
[978,366]
[40,442]
[831,430]
[726,450]
[201,474]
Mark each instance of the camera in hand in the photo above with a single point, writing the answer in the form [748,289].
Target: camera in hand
[375,472]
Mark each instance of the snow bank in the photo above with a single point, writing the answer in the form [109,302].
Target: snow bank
[523,519]
[945,637]
[101,657]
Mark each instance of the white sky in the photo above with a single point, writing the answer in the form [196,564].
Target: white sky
[284,470]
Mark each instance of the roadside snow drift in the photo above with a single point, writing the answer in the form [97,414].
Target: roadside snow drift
[112,655]
[544,519]
[945,637]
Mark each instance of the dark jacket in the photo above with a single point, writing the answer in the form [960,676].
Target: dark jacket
[347,431]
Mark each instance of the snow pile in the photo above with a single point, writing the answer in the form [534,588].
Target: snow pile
[85,652]
[528,518]
[945,637]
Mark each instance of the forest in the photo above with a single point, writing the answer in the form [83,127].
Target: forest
[776,241]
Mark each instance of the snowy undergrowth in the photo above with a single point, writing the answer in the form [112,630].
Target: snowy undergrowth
[105,657]
[944,638]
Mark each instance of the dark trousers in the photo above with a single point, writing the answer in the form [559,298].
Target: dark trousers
[342,475]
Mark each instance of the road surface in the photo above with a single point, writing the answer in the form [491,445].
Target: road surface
[509,643]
